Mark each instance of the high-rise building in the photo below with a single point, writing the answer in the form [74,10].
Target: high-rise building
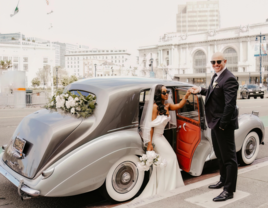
[198,16]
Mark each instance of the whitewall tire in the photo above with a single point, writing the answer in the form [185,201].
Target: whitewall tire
[124,180]
[250,149]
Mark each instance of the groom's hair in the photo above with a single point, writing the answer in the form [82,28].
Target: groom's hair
[158,101]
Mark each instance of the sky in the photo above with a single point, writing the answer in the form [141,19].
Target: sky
[126,24]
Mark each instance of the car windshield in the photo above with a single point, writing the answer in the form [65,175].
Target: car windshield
[251,86]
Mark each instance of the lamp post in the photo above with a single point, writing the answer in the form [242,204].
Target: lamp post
[57,78]
[95,69]
[260,36]
[112,71]
[151,64]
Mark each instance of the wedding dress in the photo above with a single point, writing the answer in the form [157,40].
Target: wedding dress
[168,178]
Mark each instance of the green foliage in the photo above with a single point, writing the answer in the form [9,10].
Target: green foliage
[79,105]
[73,78]
[35,82]
[65,81]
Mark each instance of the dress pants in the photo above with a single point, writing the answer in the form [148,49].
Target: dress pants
[224,148]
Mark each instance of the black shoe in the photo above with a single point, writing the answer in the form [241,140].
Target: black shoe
[225,195]
[217,185]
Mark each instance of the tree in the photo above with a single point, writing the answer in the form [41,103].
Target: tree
[5,64]
[65,81]
[35,82]
[43,74]
[73,78]
[13,38]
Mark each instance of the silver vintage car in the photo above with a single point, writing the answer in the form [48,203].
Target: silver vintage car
[54,155]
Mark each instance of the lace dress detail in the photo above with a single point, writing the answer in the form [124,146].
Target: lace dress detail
[168,178]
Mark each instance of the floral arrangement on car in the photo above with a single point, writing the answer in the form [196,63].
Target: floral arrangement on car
[80,106]
[149,159]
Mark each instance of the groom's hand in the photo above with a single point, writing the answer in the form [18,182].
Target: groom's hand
[195,90]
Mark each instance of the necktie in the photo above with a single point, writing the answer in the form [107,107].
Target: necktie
[213,79]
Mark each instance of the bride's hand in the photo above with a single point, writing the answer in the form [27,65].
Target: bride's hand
[150,147]
[189,92]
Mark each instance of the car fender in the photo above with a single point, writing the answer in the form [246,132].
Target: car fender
[248,123]
[85,168]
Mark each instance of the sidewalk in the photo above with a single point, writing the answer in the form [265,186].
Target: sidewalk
[252,192]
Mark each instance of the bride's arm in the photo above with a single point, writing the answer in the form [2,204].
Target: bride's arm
[154,115]
[180,104]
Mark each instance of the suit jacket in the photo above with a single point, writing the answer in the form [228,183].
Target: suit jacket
[220,103]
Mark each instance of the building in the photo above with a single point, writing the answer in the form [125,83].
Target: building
[186,57]
[98,62]
[28,58]
[11,36]
[197,16]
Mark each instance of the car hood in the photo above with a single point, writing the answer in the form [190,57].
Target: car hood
[44,132]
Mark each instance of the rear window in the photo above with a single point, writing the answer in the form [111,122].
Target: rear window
[84,93]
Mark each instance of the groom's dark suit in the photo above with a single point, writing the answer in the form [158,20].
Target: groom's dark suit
[221,113]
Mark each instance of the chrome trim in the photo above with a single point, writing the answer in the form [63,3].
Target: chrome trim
[125,127]
[21,186]
[47,173]
[256,113]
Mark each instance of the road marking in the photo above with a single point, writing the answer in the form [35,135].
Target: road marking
[175,192]
[12,117]
[205,200]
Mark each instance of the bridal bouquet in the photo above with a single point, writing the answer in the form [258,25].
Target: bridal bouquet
[81,106]
[149,159]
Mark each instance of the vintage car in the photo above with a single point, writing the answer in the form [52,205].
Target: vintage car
[251,90]
[56,155]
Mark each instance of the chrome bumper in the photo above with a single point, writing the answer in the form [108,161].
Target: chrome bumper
[19,184]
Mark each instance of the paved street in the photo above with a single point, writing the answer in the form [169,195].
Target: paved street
[10,118]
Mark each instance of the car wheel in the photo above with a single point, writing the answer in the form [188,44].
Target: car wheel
[250,149]
[124,181]
[241,95]
[247,96]
[255,97]
[262,97]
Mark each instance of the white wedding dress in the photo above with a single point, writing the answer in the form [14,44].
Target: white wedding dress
[168,178]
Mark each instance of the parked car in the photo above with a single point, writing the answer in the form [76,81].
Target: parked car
[251,90]
[63,155]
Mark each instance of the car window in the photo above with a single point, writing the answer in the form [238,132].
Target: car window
[190,109]
[251,86]
[84,93]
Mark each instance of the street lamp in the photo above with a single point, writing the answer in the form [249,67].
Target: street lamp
[95,69]
[112,71]
[260,36]
[152,72]
[57,78]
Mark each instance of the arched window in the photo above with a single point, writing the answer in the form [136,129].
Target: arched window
[200,61]
[232,59]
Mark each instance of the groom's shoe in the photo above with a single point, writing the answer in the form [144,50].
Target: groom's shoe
[225,195]
[217,185]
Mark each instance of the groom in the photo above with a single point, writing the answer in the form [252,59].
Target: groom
[221,115]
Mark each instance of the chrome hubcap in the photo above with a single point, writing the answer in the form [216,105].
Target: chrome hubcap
[250,147]
[125,177]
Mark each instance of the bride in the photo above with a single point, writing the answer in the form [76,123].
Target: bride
[168,178]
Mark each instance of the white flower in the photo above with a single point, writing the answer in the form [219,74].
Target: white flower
[60,102]
[73,110]
[151,155]
[144,157]
[140,158]
[78,109]
[76,99]
[66,95]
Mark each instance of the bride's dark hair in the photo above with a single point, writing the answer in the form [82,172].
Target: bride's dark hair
[158,100]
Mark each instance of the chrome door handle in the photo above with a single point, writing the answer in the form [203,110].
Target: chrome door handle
[179,127]
[184,126]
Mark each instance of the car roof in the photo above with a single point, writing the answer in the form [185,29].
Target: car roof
[119,82]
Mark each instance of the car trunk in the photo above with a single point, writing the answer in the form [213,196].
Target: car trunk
[48,130]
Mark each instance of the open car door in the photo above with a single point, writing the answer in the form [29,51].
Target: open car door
[188,129]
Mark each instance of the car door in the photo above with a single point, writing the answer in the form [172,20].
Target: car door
[188,129]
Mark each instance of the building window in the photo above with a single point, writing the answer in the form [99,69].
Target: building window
[15,66]
[25,59]
[232,59]
[264,63]
[167,62]
[167,52]
[25,67]
[199,62]
[15,59]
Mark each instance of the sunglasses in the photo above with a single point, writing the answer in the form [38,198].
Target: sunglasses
[214,62]
[164,93]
